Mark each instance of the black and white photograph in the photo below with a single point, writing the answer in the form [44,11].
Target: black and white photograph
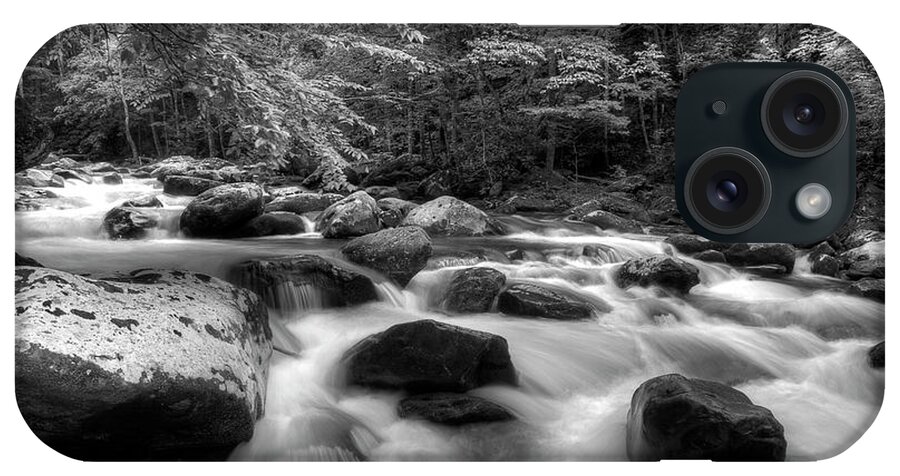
[440,242]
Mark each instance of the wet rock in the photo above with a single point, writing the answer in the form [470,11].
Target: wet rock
[429,356]
[185,165]
[187,186]
[825,265]
[860,237]
[533,300]
[99,167]
[301,203]
[673,417]
[822,248]
[610,221]
[658,270]
[394,210]
[690,244]
[876,356]
[399,253]
[869,287]
[222,210]
[517,254]
[381,191]
[355,215]
[233,174]
[616,203]
[144,201]
[273,223]
[74,174]
[865,261]
[473,290]
[758,254]
[123,223]
[26,261]
[711,256]
[449,216]
[177,373]
[112,179]
[452,409]
[604,253]
[39,178]
[30,198]
[336,286]
[63,163]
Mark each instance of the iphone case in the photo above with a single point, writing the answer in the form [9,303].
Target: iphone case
[420,242]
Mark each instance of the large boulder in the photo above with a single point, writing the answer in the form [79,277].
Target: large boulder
[399,253]
[761,254]
[864,261]
[74,174]
[429,356]
[186,165]
[125,223]
[189,186]
[824,264]
[520,203]
[658,270]
[871,288]
[860,237]
[304,202]
[452,409]
[153,365]
[532,300]
[355,215]
[220,211]
[690,244]
[473,290]
[273,223]
[673,417]
[39,178]
[394,210]
[449,216]
[336,286]
[149,200]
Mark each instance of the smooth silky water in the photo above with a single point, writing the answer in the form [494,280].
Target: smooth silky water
[795,345]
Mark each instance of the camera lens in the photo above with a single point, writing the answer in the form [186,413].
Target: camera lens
[804,113]
[727,190]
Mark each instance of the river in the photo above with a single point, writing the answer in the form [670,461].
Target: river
[795,345]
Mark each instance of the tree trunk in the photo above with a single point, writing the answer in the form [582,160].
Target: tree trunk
[210,138]
[550,148]
[127,125]
[644,124]
[410,120]
[155,135]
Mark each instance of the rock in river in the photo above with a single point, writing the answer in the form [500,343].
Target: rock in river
[761,254]
[399,253]
[452,409]
[190,186]
[876,356]
[153,365]
[658,270]
[273,223]
[673,417]
[532,300]
[429,356]
[332,285]
[449,216]
[473,289]
[355,215]
[394,210]
[125,223]
[220,211]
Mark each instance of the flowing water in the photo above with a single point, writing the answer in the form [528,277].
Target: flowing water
[795,345]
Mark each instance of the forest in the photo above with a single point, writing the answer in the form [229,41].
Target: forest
[478,102]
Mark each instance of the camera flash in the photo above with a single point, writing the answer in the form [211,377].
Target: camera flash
[813,201]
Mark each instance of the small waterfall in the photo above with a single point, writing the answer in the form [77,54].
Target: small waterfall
[309,226]
[289,297]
